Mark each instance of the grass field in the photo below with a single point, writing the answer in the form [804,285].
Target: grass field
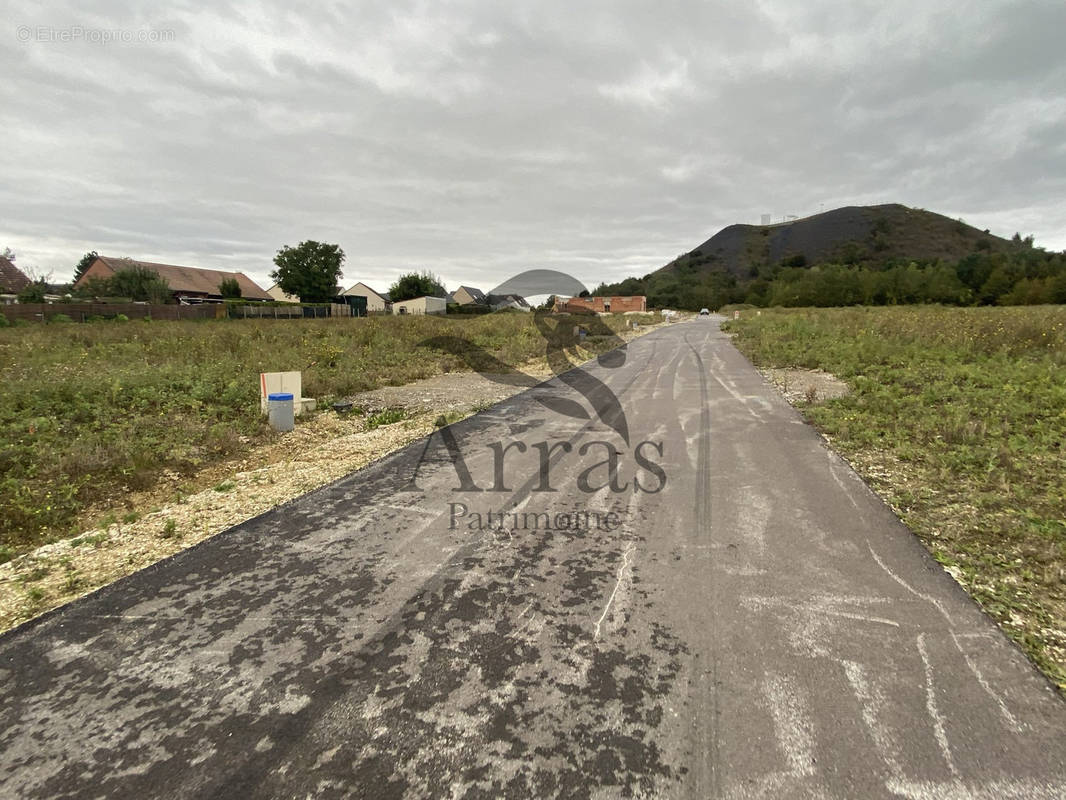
[957,417]
[92,411]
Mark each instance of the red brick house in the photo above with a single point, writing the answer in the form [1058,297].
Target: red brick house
[193,283]
[12,279]
[602,305]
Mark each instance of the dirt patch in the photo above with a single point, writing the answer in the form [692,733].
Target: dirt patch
[453,391]
[805,386]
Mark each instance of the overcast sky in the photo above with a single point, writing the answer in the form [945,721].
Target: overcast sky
[479,139]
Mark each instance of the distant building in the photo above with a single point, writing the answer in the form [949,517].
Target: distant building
[501,301]
[375,301]
[468,295]
[602,305]
[278,295]
[12,279]
[421,305]
[186,283]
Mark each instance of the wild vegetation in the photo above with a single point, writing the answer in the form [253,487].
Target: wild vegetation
[958,418]
[1023,276]
[91,411]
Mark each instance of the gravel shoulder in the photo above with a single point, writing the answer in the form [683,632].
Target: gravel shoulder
[805,386]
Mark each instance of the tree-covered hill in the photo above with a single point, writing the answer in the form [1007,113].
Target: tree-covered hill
[873,255]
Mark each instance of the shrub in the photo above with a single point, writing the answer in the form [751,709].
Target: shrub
[3,321]
[60,319]
[121,318]
[34,292]
[140,283]
[230,289]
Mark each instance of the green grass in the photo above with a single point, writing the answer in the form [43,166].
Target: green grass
[90,412]
[384,417]
[93,539]
[958,418]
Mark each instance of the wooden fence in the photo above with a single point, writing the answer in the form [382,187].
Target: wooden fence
[82,312]
[288,311]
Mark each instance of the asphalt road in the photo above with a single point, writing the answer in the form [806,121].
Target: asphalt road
[751,622]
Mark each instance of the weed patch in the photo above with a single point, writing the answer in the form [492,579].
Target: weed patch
[385,417]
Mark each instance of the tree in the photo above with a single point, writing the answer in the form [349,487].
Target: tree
[1000,282]
[230,289]
[416,284]
[86,262]
[34,292]
[137,283]
[309,271]
[38,286]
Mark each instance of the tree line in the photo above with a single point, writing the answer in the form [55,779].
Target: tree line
[1025,275]
[310,271]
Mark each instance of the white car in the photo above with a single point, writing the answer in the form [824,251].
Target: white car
[705,312]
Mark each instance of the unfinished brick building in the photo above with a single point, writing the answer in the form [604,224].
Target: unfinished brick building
[601,305]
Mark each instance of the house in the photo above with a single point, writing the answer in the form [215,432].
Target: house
[12,279]
[375,301]
[186,283]
[277,294]
[468,295]
[421,305]
[502,301]
[602,305]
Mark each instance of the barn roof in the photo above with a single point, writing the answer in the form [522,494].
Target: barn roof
[191,279]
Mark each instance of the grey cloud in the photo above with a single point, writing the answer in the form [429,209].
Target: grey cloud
[483,139]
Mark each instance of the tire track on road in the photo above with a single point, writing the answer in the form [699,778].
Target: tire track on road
[705,722]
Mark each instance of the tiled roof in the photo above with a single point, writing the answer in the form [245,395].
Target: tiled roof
[192,279]
[477,294]
[497,299]
[12,279]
